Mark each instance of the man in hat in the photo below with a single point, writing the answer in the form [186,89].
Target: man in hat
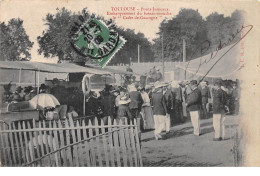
[219,102]
[136,101]
[7,95]
[27,92]
[194,105]
[135,106]
[122,92]
[123,112]
[235,95]
[158,75]
[169,105]
[159,109]
[205,93]
[108,103]
[16,95]
[177,96]
[43,88]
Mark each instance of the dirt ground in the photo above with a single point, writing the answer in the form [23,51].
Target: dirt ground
[181,148]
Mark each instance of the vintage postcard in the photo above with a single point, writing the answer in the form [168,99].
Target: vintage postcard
[148,83]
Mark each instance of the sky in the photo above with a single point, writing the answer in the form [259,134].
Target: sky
[33,12]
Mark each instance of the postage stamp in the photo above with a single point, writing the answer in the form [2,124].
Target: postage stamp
[98,41]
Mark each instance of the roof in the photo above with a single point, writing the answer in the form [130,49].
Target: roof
[113,70]
[222,63]
[50,67]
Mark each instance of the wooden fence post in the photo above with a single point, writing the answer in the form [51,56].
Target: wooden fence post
[98,143]
[75,150]
[62,138]
[115,137]
[93,153]
[69,150]
[138,144]
[104,143]
[86,144]
[128,145]
[122,143]
[111,144]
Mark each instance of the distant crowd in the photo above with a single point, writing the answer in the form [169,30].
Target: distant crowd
[154,106]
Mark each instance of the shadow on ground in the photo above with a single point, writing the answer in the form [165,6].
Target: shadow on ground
[184,131]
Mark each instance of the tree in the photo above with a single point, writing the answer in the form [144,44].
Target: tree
[130,50]
[55,40]
[14,42]
[188,25]
[220,28]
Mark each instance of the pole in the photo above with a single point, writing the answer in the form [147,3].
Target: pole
[34,78]
[84,105]
[138,54]
[184,51]
[162,58]
[38,90]
[38,83]
[20,73]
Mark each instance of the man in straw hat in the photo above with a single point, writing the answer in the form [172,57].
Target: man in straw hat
[194,105]
[123,111]
[159,109]
[219,102]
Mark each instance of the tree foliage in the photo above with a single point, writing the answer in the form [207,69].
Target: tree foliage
[190,25]
[55,40]
[14,42]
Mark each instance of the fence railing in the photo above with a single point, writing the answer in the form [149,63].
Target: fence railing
[70,143]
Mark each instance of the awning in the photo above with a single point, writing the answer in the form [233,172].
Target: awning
[121,72]
[50,67]
[224,63]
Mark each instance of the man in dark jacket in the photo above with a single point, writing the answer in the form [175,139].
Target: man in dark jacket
[108,104]
[194,105]
[159,110]
[136,101]
[219,102]
[205,93]
[177,98]
[234,105]
[169,105]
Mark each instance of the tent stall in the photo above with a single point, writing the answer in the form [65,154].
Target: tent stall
[39,67]
[224,63]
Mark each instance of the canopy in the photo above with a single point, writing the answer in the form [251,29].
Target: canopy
[223,63]
[50,67]
[114,70]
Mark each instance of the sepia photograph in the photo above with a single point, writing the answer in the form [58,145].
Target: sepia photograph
[129,83]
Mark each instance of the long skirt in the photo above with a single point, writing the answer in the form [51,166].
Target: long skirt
[147,114]
[159,123]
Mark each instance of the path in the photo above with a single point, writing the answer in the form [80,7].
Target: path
[181,148]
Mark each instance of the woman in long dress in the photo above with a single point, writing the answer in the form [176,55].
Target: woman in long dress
[146,111]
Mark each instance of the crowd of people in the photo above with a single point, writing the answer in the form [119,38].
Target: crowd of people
[154,106]
[69,99]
